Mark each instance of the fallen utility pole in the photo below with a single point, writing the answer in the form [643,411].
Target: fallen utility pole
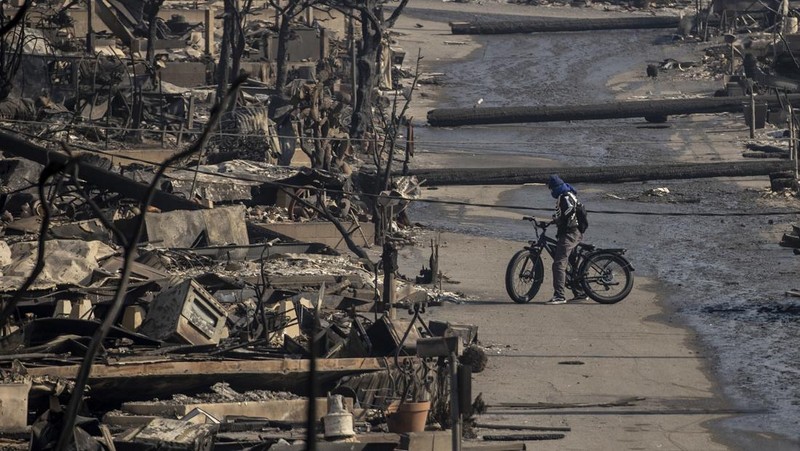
[13,145]
[660,109]
[523,437]
[517,427]
[604,174]
[676,411]
[557,24]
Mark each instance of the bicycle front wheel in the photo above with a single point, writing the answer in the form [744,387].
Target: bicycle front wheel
[524,275]
[606,278]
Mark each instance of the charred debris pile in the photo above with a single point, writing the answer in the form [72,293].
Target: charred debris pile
[199,228]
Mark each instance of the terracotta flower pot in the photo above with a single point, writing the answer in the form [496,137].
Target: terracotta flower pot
[407,416]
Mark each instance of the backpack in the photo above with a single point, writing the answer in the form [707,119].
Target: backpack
[583,219]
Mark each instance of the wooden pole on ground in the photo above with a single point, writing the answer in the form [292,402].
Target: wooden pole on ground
[452,117]
[607,174]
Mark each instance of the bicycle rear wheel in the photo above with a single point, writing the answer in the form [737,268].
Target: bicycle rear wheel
[606,278]
[524,275]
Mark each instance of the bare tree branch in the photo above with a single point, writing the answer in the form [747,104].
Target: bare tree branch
[396,14]
[323,211]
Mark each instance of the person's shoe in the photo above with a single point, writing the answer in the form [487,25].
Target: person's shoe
[555,300]
[579,297]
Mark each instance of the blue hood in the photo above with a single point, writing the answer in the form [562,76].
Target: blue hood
[558,186]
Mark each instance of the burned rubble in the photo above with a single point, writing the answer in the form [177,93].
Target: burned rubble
[192,229]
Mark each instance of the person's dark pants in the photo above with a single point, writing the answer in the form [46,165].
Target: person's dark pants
[566,243]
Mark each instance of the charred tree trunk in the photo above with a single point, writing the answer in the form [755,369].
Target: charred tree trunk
[284,32]
[12,35]
[238,45]
[223,67]
[287,13]
[366,76]
[153,6]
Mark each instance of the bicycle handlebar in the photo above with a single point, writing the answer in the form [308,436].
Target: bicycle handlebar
[537,222]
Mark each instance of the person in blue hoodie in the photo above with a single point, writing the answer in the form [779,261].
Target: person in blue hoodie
[568,235]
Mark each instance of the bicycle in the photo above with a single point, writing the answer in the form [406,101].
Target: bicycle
[604,275]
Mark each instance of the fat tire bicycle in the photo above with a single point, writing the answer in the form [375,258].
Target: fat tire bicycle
[602,274]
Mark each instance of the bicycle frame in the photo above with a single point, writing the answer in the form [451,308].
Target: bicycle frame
[543,241]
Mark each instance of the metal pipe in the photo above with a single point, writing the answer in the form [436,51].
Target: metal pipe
[89,26]
[455,412]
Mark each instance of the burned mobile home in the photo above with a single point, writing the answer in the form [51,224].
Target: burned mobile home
[190,194]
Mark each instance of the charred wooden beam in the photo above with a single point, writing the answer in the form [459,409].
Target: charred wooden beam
[13,145]
[166,367]
[557,24]
[605,174]
[449,117]
[162,377]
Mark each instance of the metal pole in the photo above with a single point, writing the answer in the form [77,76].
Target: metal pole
[791,133]
[389,275]
[353,69]
[733,54]
[455,412]
[793,137]
[89,27]
[752,112]
[390,294]
[389,260]
[208,19]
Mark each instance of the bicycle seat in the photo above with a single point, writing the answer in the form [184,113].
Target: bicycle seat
[588,247]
